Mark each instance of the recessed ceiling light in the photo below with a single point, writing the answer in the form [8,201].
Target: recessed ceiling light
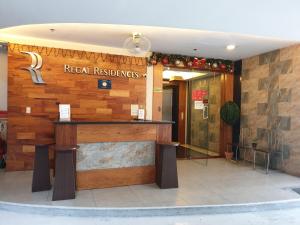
[52,29]
[230,47]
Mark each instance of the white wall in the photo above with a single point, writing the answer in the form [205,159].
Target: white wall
[149,92]
[3,77]
[276,18]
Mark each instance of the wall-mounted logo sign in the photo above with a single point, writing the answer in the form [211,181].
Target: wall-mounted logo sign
[34,68]
[97,71]
[104,84]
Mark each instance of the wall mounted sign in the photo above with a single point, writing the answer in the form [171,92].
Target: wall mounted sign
[134,108]
[141,114]
[197,95]
[64,112]
[97,71]
[104,84]
[198,105]
[34,68]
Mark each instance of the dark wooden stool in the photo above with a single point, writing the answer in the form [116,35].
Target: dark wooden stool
[166,168]
[41,170]
[65,173]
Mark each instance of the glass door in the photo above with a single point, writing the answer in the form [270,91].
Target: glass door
[204,100]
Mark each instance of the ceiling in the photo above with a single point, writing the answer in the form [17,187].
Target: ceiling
[166,40]
[276,18]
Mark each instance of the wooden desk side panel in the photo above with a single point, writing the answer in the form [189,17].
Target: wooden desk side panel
[164,133]
[65,134]
[105,178]
[115,133]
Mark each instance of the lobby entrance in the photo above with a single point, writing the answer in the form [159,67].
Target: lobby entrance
[202,104]
[203,119]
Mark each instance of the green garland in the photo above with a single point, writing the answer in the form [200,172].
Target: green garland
[192,62]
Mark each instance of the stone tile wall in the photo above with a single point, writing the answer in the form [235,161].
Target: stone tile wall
[214,104]
[270,107]
[108,155]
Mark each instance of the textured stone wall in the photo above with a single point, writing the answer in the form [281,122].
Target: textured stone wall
[214,104]
[270,108]
[115,155]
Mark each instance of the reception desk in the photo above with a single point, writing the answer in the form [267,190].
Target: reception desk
[114,153]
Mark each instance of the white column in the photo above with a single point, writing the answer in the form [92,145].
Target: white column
[3,77]
[149,92]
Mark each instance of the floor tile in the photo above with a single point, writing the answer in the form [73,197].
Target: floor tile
[220,182]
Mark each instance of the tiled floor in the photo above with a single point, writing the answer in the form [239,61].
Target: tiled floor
[221,182]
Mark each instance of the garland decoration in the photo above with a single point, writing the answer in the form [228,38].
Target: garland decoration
[181,61]
[95,56]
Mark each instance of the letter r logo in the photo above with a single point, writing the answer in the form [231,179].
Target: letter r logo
[35,67]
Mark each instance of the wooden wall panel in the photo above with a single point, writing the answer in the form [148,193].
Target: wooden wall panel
[157,92]
[115,133]
[104,178]
[87,101]
[226,95]
[182,111]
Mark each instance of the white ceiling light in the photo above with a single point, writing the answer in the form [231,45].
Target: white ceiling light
[137,44]
[175,75]
[230,47]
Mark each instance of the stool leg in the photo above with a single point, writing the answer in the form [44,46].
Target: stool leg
[41,171]
[268,163]
[54,156]
[64,183]
[168,167]
[254,158]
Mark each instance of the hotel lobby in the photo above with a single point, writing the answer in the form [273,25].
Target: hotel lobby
[112,117]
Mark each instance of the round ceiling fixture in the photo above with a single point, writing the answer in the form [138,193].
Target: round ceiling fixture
[230,47]
[137,44]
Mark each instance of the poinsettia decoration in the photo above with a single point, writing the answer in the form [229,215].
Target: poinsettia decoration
[191,62]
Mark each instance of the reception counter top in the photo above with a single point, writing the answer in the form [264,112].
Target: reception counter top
[115,122]
[114,153]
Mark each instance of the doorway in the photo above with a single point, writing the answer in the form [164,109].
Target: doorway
[199,121]
[170,108]
[203,119]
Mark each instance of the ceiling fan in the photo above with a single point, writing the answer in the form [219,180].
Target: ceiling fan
[137,44]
